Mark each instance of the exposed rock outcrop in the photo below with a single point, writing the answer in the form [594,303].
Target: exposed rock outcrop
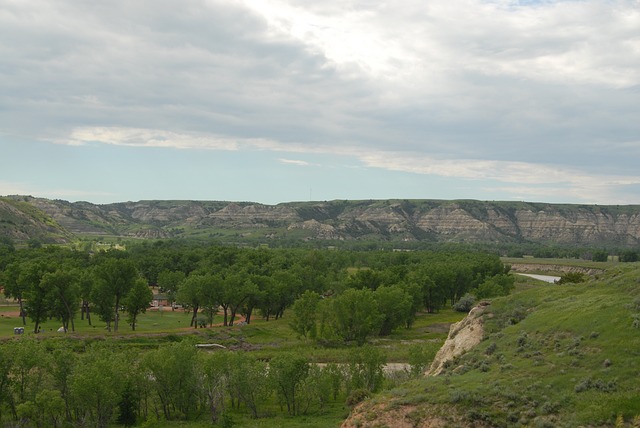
[463,336]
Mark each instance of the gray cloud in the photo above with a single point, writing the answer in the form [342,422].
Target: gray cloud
[474,84]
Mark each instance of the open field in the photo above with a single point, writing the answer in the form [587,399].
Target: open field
[263,338]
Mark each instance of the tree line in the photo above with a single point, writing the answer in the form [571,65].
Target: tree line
[54,282]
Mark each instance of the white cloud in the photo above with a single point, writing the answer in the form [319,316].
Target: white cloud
[529,179]
[416,43]
[294,162]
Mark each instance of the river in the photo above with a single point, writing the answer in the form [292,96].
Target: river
[545,278]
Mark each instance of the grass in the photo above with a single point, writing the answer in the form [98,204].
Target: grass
[264,339]
[553,356]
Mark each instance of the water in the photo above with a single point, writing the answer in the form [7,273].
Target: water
[545,278]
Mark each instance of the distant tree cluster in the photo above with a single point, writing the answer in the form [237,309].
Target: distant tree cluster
[386,295]
[52,282]
[359,293]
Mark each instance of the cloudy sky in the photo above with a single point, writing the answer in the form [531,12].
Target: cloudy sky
[289,100]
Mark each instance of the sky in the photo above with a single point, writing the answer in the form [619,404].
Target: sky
[288,100]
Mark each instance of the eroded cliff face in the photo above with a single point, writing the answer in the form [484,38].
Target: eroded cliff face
[463,336]
[398,220]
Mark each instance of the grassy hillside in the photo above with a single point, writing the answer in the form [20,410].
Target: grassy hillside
[21,221]
[556,356]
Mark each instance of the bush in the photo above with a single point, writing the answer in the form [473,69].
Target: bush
[420,357]
[465,304]
[572,278]
[499,285]
[357,396]
[600,256]
[598,384]
[629,256]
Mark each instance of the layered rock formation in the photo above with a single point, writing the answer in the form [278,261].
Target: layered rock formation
[392,220]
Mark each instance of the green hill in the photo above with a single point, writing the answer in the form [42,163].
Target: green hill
[552,356]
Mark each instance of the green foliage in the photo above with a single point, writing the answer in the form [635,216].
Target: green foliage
[465,304]
[288,373]
[304,315]
[352,316]
[629,256]
[572,278]
[420,358]
[95,386]
[498,285]
[175,378]
[395,306]
[247,379]
[600,256]
[365,369]
[115,276]
[137,300]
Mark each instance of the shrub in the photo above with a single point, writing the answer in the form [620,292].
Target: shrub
[465,304]
[598,384]
[491,348]
[572,278]
[499,285]
[600,256]
[357,396]
[420,357]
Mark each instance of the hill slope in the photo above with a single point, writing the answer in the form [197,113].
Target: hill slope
[556,356]
[388,220]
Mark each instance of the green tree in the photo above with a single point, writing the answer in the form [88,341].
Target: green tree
[63,364]
[14,288]
[365,278]
[63,295]
[190,294]
[210,297]
[36,291]
[248,381]
[499,285]
[169,282]
[215,375]
[351,316]
[137,300]
[304,319]
[175,374]
[433,292]
[115,277]
[628,256]
[366,369]
[288,372]
[30,370]
[237,288]
[86,279]
[7,379]
[96,386]
[600,256]
[572,278]
[395,306]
